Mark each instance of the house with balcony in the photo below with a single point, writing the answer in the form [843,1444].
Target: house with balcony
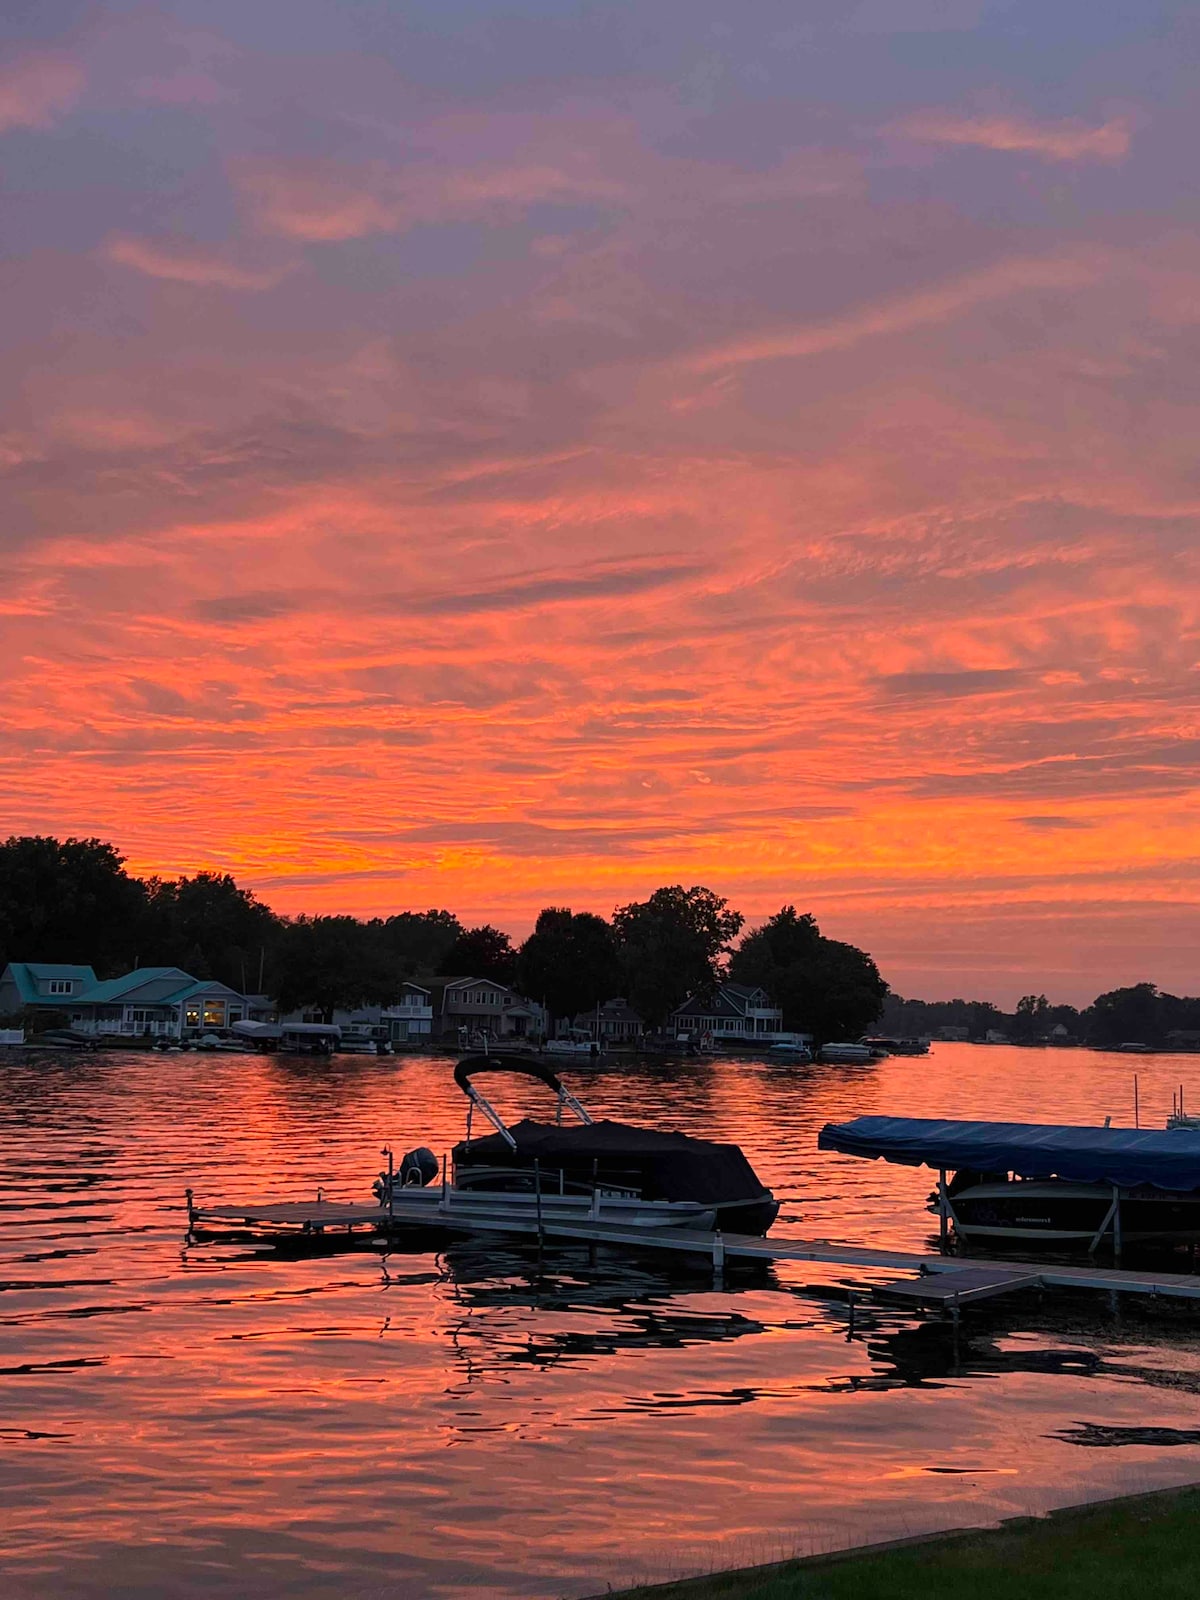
[150,1001]
[408,1020]
[479,1010]
[739,1013]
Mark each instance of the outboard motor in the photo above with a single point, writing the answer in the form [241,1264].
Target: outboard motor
[418,1168]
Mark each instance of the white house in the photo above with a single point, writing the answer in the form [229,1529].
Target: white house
[407,1019]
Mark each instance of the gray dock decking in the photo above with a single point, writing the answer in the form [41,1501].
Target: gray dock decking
[937,1279]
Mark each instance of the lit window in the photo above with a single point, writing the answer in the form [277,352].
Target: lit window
[192,1016]
[214,1013]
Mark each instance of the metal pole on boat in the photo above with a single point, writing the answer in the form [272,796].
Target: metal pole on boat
[391,1185]
[445,1191]
[1116,1223]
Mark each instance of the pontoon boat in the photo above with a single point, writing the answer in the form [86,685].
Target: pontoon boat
[1018,1182]
[600,1171]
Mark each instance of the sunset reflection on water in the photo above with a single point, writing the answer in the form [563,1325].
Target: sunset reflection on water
[224,1419]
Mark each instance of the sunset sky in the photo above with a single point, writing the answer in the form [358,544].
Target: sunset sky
[496,455]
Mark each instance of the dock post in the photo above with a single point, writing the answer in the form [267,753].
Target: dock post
[718,1255]
[852,1303]
[191,1211]
[943,1221]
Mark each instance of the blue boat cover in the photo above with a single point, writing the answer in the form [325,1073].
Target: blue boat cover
[1123,1156]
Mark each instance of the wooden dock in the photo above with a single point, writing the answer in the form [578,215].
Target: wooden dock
[934,1279]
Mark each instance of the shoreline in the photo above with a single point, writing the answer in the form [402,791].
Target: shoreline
[1127,1543]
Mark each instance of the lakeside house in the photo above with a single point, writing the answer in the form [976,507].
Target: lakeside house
[155,1001]
[615,1022]
[483,1006]
[407,1020]
[736,1011]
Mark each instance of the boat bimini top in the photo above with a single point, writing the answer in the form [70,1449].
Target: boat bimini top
[1123,1157]
[471,1066]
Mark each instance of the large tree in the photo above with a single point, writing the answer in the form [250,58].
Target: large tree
[69,900]
[335,962]
[212,928]
[569,962]
[483,952]
[1123,1016]
[825,987]
[672,945]
[420,940]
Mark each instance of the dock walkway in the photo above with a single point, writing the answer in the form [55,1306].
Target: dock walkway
[947,1281]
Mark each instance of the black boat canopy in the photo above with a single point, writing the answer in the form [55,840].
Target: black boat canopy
[1126,1157]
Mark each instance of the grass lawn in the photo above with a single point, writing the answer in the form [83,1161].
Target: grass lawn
[1148,1545]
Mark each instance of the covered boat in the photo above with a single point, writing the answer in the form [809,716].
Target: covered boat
[612,1171]
[1032,1182]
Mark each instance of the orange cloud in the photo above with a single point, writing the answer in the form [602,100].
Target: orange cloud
[1066,140]
[36,89]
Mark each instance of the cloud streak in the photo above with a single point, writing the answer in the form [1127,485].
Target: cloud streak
[181,261]
[1067,140]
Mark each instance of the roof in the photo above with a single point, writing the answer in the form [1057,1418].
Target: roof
[153,986]
[1126,1157]
[726,1000]
[28,974]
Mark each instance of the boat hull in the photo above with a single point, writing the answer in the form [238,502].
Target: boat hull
[1066,1215]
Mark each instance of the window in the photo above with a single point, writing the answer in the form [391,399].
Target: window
[192,1014]
[235,1014]
[61,986]
[214,1013]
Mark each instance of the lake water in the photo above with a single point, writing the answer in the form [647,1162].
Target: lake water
[220,1420]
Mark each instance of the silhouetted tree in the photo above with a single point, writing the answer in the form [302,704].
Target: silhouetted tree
[335,962]
[825,987]
[569,961]
[483,952]
[69,900]
[420,940]
[211,928]
[1130,1015]
[672,945]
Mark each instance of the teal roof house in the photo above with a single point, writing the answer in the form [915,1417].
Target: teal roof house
[156,1001]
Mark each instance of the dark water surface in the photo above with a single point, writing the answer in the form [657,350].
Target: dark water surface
[220,1420]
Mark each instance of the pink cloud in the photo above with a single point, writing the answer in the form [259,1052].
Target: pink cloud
[180,261]
[906,312]
[325,201]
[1067,140]
[35,89]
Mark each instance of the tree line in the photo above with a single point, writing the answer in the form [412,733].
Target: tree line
[73,901]
[1139,1013]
